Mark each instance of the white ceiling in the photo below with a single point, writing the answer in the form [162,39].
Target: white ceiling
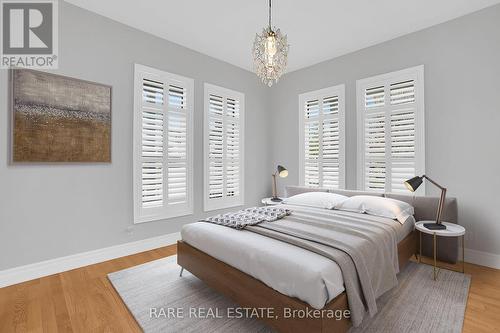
[317,30]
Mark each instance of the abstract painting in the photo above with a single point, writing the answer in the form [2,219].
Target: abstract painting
[59,119]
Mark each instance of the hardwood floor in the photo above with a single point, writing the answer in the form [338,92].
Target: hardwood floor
[80,300]
[83,300]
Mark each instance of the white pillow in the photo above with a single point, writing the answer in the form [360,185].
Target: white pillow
[378,206]
[316,199]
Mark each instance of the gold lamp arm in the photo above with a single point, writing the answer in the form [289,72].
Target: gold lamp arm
[441,200]
[275,195]
[433,182]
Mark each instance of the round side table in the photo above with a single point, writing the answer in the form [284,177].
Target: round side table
[452,230]
[269,202]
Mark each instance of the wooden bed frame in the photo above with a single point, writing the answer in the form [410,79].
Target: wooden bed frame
[247,291]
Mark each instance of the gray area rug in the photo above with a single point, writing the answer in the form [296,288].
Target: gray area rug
[161,301]
[420,304]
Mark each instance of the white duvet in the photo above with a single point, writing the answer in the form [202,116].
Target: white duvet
[289,269]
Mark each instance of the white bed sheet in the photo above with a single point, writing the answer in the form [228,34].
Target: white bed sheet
[289,269]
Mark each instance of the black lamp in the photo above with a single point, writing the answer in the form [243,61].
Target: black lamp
[283,173]
[413,184]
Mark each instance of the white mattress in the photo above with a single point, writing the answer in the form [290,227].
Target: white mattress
[289,269]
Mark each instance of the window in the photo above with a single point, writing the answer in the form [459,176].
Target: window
[223,135]
[163,155]
[390,130]
[322,138]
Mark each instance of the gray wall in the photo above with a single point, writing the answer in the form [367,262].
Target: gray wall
[48,211]
[462,89]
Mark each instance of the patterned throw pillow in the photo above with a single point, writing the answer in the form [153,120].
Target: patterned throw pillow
[249,216]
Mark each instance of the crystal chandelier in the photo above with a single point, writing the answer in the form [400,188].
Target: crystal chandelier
[270,52]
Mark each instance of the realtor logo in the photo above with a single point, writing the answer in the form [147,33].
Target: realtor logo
[29,34]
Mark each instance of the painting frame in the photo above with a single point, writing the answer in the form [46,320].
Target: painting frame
[12,126]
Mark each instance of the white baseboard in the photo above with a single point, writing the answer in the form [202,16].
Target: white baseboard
[482,258]
[53,266]
[44,268]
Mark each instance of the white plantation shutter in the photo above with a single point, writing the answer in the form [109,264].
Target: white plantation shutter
[224,114]
[311,153]
[162,145]
[322,138]
[391,130]
[374,139]
[216,147]
[232,148]
[152,143]
[177,145]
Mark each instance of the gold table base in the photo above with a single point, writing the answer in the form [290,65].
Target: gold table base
[436,268]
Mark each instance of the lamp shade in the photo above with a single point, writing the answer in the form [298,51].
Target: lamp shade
[282,171]
[414,183]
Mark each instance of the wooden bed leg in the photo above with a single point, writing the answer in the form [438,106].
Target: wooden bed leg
[182,270]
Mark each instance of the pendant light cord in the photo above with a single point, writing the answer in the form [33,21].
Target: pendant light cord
[270,15]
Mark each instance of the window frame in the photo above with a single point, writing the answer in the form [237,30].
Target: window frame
[224,202]
[166,211]
[413,73]
[338,90]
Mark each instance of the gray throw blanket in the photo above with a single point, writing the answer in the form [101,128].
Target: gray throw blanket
[248,216]
[364,247]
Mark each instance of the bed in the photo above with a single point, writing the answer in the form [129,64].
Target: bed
[259,271]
